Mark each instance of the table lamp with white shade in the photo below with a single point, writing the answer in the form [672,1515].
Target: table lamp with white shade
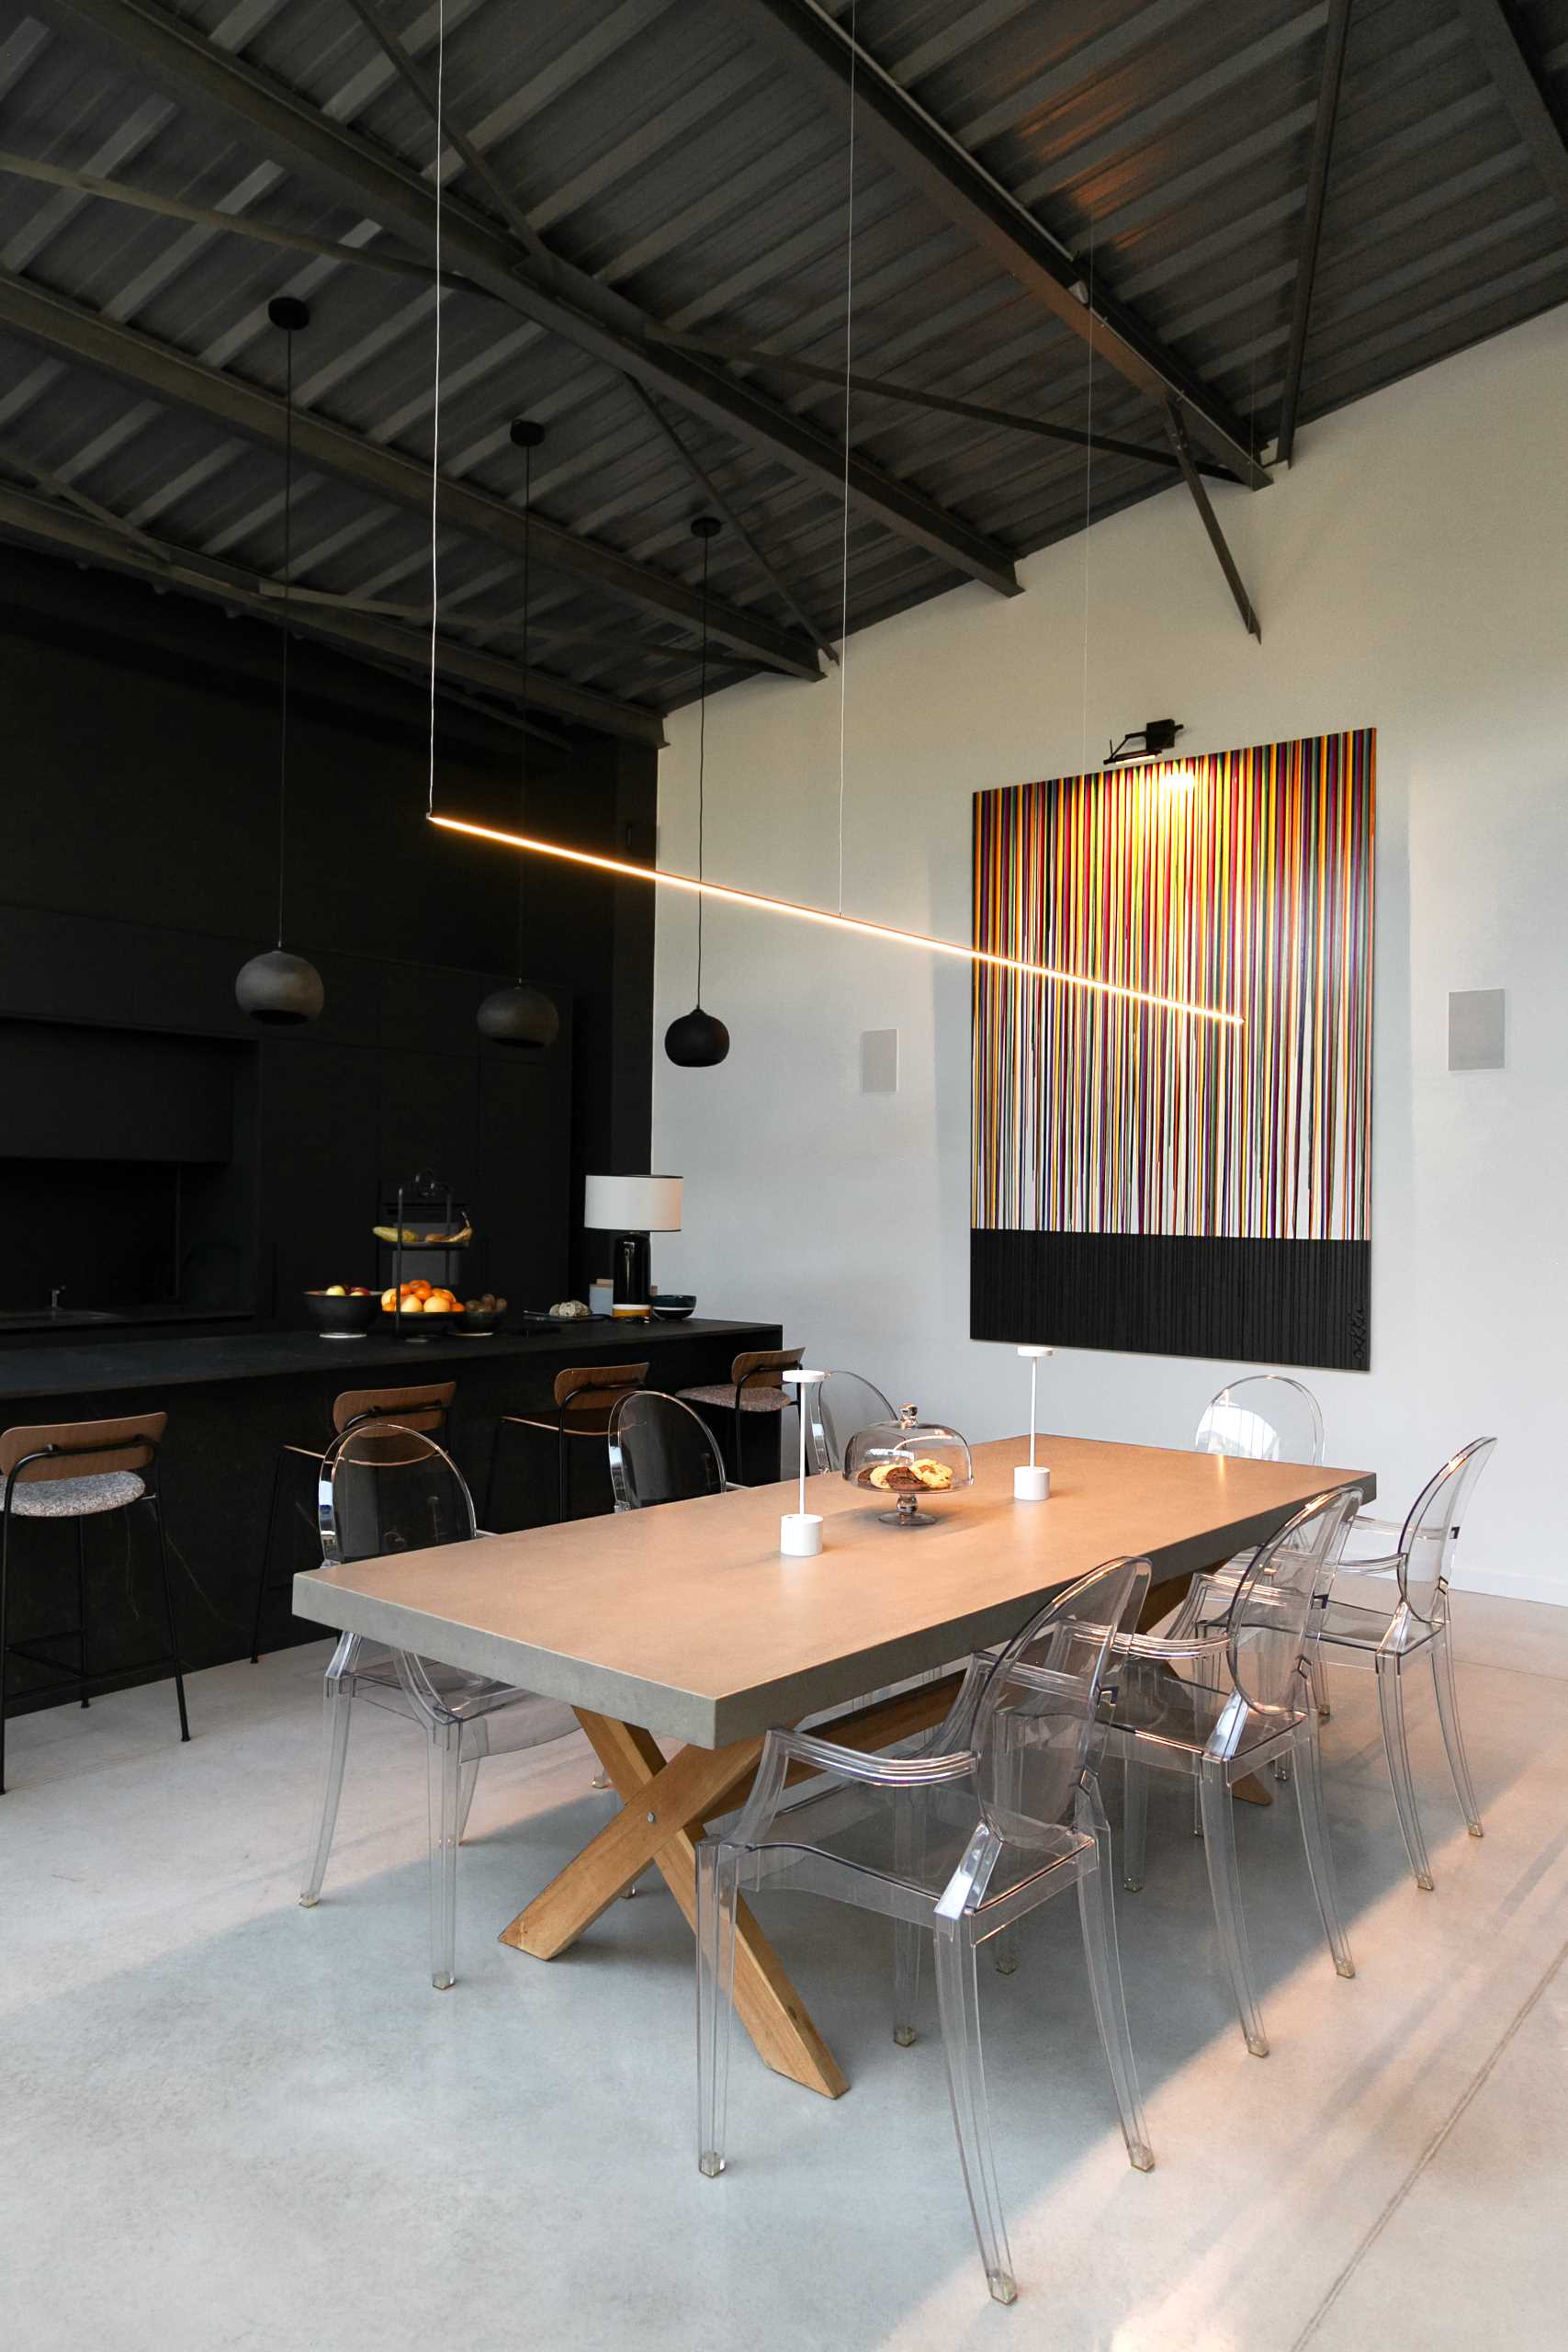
[631,1207]
[1031,1479]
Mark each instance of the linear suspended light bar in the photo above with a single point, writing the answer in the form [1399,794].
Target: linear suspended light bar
[764,905]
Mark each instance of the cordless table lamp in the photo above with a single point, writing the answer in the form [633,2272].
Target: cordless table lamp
[1031,1479]
[631,1207]
[800,1530]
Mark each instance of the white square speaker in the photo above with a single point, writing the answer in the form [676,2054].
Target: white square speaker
[879,1062]
[1476,1028]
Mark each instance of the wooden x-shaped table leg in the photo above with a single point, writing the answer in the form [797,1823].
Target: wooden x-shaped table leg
[663,1807]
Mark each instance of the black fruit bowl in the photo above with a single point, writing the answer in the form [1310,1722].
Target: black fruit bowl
[342,1318]
[675,1306]
[479,1322]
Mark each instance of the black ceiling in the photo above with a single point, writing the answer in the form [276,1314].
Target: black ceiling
[620,173]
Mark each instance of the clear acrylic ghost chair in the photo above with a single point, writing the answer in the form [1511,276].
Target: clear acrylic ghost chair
[661,1452]
[1228,1700]
[999,1812]
[385,1490]
[843,1405]
[1418,1558]
[1268,1416]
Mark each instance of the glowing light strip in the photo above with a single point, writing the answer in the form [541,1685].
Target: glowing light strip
[763,904]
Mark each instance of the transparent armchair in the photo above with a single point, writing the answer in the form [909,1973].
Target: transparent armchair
[661,1452]
[997,1814]
[383,1489]
[842,1404]
[1228,1700]
[1268,1416]
[1417,1556]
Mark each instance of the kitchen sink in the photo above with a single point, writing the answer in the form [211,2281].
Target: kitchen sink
[51,1319]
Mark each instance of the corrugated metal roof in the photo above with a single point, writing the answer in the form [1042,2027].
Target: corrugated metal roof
[670,150]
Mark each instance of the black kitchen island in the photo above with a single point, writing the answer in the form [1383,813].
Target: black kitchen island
[232,1401]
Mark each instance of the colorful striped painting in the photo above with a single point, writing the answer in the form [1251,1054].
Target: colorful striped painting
[1240,879]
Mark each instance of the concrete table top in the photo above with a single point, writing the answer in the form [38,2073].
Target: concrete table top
[687,1621]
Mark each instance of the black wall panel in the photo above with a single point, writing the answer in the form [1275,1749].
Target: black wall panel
[141,778]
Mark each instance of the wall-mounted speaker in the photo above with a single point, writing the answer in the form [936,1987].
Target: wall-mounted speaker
[1476,1028]
[879,1062]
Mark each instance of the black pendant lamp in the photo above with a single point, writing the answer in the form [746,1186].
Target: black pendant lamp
[519,1015]
[280,989]
[699,1040]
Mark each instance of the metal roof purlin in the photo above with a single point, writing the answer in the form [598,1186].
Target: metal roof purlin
[40,521]
[581,308]
[1334,37]
[950,178]
[1518,83]
[136,358]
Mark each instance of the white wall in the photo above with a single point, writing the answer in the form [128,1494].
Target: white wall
[1411,573]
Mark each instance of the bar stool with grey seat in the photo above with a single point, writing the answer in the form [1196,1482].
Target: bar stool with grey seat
[583,1397]
[753,1387]
[425,1409]
[77,1471]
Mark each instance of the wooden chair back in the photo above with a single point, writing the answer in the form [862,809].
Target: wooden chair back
[754,1361]
[83,1449]
[417,1409]
[587,1393]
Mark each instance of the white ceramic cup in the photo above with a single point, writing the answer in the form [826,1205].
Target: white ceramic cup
[800,1534]
[1030,1483]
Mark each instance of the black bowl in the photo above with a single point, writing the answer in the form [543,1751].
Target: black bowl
[675,1306]
[479,1322]
[342,1318]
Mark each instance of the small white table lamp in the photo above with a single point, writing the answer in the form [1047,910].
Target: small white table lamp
[1031,1479]
[800,1531]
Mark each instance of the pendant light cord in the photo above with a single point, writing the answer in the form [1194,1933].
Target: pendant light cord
[701,763]
[528,611]
[287,562]
[436,430]
[849,345]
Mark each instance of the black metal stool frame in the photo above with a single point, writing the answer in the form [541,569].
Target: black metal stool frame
[563,1437]
[83,1677]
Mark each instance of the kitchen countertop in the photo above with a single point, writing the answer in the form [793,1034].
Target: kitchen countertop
[113,1365]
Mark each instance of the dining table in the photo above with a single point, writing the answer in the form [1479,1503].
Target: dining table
[679,1636]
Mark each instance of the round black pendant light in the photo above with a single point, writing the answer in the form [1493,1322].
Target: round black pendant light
[520,1016]
[283,990]
[699,1040]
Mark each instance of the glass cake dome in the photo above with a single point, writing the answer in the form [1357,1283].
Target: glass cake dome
[908,1462]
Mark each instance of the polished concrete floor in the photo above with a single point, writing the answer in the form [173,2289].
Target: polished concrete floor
[226,2122]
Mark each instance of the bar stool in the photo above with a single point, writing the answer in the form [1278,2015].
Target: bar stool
[753,1387]
[585,1395]
[76,1470]
[425,1409]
